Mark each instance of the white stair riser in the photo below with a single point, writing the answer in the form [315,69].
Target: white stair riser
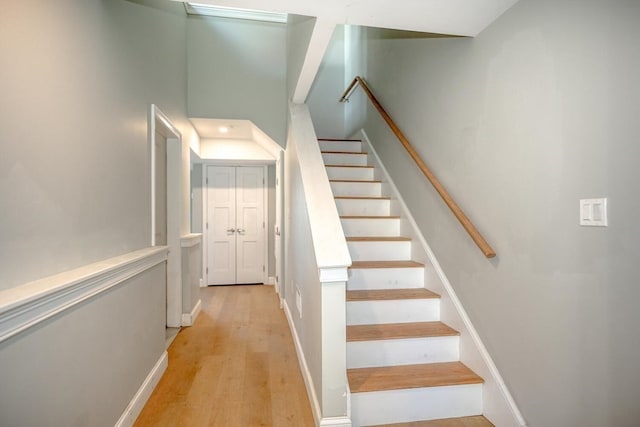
[358,174]
[364,354]
[385,278]
[380,251]
[359,159]
[351,146]
[356,188]
[350,207]
[394,311]
[395,406]
[371,226]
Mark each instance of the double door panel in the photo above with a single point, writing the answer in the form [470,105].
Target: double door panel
[235,214]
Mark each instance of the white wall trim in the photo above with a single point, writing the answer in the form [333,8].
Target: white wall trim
[159,122]
[136,404]
[486,357]
[188,319]
[189,240]
[335,422]
[337,274]
[27,305]
[308,381]
[328,239]
[306,374]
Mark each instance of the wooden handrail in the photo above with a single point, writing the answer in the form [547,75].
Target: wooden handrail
[475,235]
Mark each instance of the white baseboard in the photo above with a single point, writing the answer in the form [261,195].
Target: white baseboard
[189,318]
[136,405]
[271,280]
[335,422]
[306,374]
[308,381]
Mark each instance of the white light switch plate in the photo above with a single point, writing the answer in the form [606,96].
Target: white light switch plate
[593,212]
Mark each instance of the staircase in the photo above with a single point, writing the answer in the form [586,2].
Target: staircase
[403,363]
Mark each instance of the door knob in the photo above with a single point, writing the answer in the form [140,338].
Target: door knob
[240,230]
[231,230]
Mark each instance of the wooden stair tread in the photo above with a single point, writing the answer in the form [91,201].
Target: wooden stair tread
[344,152]
[386,264]
[338,140]
[348,166]
[389,331]
[378,239]
[410,376]
[475,421]
[355,180]
[362,197]
[390,294]
[370,217]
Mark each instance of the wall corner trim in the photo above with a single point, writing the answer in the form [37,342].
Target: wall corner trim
[136,405]
[27,305]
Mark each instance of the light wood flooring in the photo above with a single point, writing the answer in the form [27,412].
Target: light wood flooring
[236,366]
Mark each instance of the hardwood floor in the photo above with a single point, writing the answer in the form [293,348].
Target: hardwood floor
[236,366]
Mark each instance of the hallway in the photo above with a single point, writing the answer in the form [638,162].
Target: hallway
[236,366]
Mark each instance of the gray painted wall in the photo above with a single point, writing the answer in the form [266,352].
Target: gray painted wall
[237,70]
[519,123]
[327,113]
[82,367]
[77,79]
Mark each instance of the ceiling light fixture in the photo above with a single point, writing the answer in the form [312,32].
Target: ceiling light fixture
[231,12]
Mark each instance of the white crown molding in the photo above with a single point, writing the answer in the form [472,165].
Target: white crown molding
[25,306]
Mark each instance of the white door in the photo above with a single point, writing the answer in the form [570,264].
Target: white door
[250,225]
[235,233]
[221,225]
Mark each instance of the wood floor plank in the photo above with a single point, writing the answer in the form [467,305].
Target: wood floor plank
[410,376]
[386,264]
[390,294]
[476,421]
[387,331]
[235,366]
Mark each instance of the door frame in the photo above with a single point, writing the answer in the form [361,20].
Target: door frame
[158,121]
[205,214]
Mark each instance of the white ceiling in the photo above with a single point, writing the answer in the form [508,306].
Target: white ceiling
[452,17]
[213,128]
[457,17]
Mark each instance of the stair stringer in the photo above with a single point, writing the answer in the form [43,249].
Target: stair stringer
[498,404]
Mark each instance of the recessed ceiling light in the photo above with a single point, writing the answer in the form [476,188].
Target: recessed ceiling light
[232,12]
[223,129]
